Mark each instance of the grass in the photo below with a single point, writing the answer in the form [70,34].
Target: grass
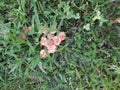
[88,59]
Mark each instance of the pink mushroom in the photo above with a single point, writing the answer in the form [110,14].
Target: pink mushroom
[62,36]
[43,41]
[56,40]
[43,53]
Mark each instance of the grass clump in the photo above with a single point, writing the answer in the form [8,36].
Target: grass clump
[88,59]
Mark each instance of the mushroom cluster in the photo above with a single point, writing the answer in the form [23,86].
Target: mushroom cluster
[51,42]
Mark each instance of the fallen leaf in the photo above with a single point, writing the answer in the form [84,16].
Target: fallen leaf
[29,28]
[23,35]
